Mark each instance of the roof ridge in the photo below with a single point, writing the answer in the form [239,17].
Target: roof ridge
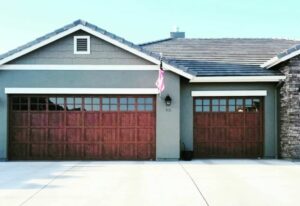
[155,41]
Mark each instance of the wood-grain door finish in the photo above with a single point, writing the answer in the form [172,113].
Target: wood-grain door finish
[229,127]
[82,127]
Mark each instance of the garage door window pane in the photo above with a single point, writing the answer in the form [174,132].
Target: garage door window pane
[206,108]
[206,102]
[96,107]
[215,108]
[88,107]
[141,107]
[148,100]
[105,100]
[141,101]
[38,103]
[20,103]
[198,108]
[123,107]
[131,107]
[198,102]
[105,107]
[96,100]
[222,108]
[149,107]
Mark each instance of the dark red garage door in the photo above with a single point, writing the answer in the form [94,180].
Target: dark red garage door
[228,127]
[82,127]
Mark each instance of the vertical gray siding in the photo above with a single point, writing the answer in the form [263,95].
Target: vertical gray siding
[62,52]
[270,123]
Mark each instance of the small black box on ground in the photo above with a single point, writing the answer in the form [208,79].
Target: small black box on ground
[187,155]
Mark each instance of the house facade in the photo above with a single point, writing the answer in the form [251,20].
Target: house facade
[82,93]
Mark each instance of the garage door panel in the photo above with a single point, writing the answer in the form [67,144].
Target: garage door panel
[110,151]
[56,151]
[252,120]
[145,119]
[91,135]
[228,127]
[18,151]
[56,135]
[91,119]
[145,151]
[74,118]
[19,135]
[74,151]
[235,134]
[128,119]
[219,119]
[145,135]
[109,119]
[38,135]
[38,119]
[236,119]
[92,151]
[79,127]
[56,119]
[73,135]
[127,135]
[127,151]
[20,119]
[109,135]
[37,150]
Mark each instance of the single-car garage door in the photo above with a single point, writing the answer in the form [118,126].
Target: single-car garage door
[229,127]
[82,127]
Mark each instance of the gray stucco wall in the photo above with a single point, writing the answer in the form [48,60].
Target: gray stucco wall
[62,52]
[167,124]
[270,119]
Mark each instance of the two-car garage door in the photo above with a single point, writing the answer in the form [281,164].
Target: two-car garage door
[44,127]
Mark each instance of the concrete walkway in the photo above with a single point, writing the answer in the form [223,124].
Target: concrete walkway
[199,182]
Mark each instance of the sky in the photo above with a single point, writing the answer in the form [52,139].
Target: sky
[147,20]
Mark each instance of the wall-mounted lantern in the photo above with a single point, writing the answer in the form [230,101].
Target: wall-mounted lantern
[168,100]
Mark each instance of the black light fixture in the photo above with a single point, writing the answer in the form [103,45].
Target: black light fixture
[168,100]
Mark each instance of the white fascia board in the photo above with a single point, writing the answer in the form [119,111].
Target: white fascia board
[275,60]
[76,67]
[237,79]
[232,93]
[39,45]
[81,91]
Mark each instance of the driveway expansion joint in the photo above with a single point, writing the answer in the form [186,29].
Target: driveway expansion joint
[194,183]
[42,188]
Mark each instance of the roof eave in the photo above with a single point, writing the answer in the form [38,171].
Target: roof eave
[215,79]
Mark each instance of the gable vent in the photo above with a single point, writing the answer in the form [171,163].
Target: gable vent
[81,44]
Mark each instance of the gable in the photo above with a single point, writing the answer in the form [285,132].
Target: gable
[61,51]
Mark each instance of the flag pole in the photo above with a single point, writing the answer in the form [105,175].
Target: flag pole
[160,67]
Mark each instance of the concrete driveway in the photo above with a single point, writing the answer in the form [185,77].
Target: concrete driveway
[199,182]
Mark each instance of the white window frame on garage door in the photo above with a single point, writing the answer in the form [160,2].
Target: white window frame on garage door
[232,93]
[81,91]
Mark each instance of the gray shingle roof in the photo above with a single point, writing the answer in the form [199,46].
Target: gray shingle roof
[221,57]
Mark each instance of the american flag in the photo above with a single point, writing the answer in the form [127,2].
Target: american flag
[160,80]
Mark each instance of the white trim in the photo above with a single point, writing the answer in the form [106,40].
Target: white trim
[101,36]
[76,67]
[238,79]
[88,44]
[275,60]
[231,93]
[81,90]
